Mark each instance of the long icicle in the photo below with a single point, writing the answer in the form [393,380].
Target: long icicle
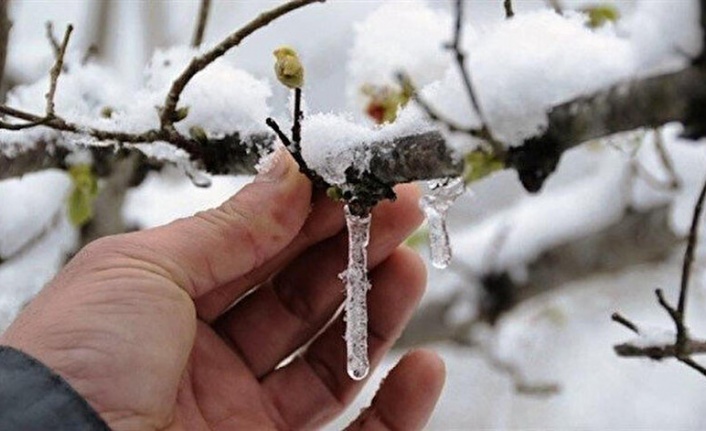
[357,286]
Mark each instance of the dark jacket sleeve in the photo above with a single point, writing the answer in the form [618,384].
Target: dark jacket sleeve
[34,398]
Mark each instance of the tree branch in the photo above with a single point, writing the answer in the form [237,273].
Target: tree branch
[684,346]
[642,103]
[201,62]
[460,57]
[647,102]
[201,21]
[56,71]
[5,25]
[509,13]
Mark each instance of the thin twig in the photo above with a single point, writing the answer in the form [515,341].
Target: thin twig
[272,124]
[406,82]
[683,346]
[693,364]
[619,318]
[460,57]
[53,41]
[201,23]
[56,71]
[296,153]
[689,253]
[509,13]
[298,117]
[199,63]
[667,162]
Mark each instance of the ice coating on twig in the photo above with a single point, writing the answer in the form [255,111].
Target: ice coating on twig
[436,204]
[357,285]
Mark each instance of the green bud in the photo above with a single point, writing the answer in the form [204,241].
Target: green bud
[180,114]
[479,164]
[83,195]
[106,112]
[600,14]
[198,134]
[334,193]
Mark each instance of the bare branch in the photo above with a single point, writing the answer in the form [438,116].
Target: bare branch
[509,13]
[689,253]
[667,163]
[201,62]
[56,70]
[406,82]
[460,57]
[683,347]
[5,25]
[298,117]
[619,318]
[53,41]
[659,352]
[201,21]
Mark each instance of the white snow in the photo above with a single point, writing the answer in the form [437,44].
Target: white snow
[398,37]
[29,205]
[538,222]
[333,142]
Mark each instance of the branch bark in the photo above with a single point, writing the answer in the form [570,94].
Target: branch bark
[5,25]
[647,102]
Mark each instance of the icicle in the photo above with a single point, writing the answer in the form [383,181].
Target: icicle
[357,285]
[197,177]
[436,204]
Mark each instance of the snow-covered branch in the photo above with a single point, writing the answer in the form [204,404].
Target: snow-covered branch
[641,103]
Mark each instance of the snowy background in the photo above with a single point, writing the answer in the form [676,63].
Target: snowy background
[520,68]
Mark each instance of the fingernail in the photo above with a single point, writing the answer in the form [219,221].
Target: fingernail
[273,167]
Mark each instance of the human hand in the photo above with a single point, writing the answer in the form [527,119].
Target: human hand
[142,326]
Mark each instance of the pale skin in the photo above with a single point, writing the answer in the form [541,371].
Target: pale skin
[143,327]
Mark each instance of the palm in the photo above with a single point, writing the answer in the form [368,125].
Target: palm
[207,399]
[155,342]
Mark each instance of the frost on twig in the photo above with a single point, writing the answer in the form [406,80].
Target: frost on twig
[357,285]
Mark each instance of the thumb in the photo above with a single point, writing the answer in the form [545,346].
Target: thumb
[215,246]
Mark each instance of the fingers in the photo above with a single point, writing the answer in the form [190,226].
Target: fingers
[216,246]
[324,221]
[272,322]
[407,396]
[315,386]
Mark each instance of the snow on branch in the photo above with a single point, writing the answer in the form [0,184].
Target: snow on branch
[641,103]
[647,102]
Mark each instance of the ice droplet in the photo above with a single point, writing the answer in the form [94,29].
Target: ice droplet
[197,177]
[436,204]
[357,286]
